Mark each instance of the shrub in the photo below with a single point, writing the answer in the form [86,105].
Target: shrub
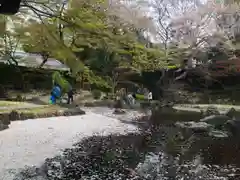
[96,94]
[20,98]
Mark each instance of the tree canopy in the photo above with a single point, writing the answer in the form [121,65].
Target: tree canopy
[95,37]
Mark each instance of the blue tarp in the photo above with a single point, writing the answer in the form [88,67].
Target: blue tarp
[55,94]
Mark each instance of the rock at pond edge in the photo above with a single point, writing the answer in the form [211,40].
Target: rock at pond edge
[216,120]
[195,126]
[211,110]
[233,113]
[218,134]
[119,111]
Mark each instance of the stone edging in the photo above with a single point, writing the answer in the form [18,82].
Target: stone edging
[6,118]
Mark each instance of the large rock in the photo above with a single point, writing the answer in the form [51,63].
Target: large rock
[4,119]
[3,126]
[145,104]
[195,126]
[233,126]
[14,115]
[216,120]
[119,111]
[211,110]
[101,103]
[232,113]
[167,109]
[218,134]
[118,104]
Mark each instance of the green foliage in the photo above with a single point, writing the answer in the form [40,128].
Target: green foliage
[96,94]
[97,81]
[91,42]
[61,81]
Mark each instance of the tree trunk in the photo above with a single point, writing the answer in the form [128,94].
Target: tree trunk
[45,57]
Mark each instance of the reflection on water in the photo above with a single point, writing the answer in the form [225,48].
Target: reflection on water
[161,152]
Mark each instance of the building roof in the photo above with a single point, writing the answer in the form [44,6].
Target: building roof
[35,60]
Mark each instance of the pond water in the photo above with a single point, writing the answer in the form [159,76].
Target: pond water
[161,151]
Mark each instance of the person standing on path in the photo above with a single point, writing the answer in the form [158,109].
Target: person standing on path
[65,86]
[150,96]
[70,94]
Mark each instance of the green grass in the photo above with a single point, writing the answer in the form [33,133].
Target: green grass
[173,66]
[10,103]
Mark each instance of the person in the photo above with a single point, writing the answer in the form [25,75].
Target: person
[118,104]
[150,96]
[59,80]
[55,94]
[134,96]
[70,95]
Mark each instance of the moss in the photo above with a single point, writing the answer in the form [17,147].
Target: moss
[43,108]
[9,103]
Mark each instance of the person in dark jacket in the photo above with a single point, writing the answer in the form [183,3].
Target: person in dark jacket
[70,95]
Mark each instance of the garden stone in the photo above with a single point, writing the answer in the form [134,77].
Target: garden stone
[118,104]
[14,115]
[3,126]
[195,126]
[211,111]
[72,112]
[216,120]
[119,111]
[167,109]
[233,126]
[232,113]
[145,104]
[4,118]
[218,134]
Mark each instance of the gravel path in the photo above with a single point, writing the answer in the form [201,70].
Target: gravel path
[30,142]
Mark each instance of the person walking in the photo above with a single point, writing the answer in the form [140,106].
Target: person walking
[55,94]
[70,95]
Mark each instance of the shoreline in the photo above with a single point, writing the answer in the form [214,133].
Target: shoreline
[198,107]
[9,114]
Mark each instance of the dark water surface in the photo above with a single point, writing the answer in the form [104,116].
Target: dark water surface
[159,152]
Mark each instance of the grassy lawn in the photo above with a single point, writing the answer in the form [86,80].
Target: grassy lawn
[10,103]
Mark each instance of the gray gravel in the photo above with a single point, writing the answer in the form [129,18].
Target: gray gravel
[30,142]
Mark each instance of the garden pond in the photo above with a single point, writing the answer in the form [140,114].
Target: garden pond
[170,145]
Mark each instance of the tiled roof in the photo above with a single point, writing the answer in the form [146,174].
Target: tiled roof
[35,60]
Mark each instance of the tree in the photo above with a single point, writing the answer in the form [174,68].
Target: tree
[90,38]
[8,42]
